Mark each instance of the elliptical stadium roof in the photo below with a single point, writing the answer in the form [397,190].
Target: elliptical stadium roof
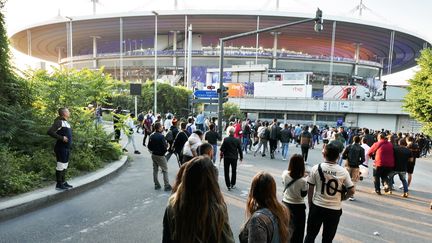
[374,38]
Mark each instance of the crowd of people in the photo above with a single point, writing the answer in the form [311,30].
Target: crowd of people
[349,155]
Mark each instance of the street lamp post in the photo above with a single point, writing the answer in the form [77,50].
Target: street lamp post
[155,62]
[318,28]
[70,42]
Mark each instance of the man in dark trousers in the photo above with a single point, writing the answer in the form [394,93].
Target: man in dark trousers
[62,131]
[230,152]
[355,156]
[179,142]
[212,137]
[158,147]
[274,136]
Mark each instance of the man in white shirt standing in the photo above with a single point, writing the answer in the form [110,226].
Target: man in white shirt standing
[366,148]
[326,191]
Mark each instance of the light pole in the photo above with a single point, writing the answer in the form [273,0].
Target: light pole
[70,42]
[155,62]
[318,27]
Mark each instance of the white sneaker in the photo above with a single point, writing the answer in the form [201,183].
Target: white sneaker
[351,199]
[284,159]
[401,187]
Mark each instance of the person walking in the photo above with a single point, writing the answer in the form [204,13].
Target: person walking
[263,136]
[179,142]
[403,156]
[130,133]
[200,119]
[295,189]
[274,136]
[326,182]
[211,136]
[62,132]
[415,150]
[246,135]
[230,151]
[148,126]
[170,137]
[286,136]
[384,162]
[158,147]
[355,156]
[267,220]
[196,211]
[305,143]
[140,120]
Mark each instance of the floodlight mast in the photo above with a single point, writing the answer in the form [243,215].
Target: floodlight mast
[318,27]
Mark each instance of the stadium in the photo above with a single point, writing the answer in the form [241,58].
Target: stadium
[338,71]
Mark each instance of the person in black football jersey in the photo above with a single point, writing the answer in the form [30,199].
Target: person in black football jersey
[62,132]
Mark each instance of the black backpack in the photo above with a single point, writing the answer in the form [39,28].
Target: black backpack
[354,155]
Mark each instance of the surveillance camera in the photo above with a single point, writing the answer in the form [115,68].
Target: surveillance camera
[318,27]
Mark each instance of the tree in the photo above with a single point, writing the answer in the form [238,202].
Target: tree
[418,101]
[232,109]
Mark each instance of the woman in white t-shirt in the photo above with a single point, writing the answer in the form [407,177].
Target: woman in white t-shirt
[295,189]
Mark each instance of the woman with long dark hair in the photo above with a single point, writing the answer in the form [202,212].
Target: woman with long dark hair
[295,189]
[196,211]
[267,219]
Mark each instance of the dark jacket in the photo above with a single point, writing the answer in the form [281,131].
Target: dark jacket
[274,132]
[402,157]
[231,148]
[355,155]
[180,140]
[157,144]
[59,129]
[285,135]
[212,137]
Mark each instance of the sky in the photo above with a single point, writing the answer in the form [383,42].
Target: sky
[410,15]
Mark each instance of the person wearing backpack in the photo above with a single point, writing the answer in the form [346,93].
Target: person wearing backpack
[148,126]
[263,138]
[140,119]
[295,189]
[305,142]
[170,136]
[355,156]
[326,183]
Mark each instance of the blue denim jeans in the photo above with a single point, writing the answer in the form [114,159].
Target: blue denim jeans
[214,152]
[285,147]
[402,178]
[245,142]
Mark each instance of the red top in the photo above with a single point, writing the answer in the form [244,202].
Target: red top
[238,129]
[384,155]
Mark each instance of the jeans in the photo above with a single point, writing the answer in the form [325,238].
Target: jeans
[261,143]
[315,139]
[402,178]
[130,140]
[200,127]
[214,152]
[233,163]
[273,146]
[245,141]
[318,216]
[285,147]
[382,173]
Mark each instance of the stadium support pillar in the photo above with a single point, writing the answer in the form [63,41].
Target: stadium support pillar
[121,49]
[257,41]
[155,61]
[185,49]
[59,54]
[356,57]
[95,62]
[332,52]
[189,59]
[390,55]
[29,43]
[174,48]
[275,42]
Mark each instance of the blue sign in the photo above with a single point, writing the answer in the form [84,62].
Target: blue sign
[205,94]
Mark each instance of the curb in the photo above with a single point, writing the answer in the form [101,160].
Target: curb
[31,201]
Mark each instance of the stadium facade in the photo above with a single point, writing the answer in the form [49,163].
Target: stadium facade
[349,54]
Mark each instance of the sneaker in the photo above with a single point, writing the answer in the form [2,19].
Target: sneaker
[351,198]
[378,192]
[401,187]
[284,159]
[67,185]
[125,150]
[157,187]
[137,152]
[61,187]
[229,188]
[168,188]
[263,155]
[405,195]
[233,187]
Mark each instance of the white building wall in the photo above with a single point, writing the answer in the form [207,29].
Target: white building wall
[378,121]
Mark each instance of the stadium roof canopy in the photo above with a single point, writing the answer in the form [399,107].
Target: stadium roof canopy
[48,37]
